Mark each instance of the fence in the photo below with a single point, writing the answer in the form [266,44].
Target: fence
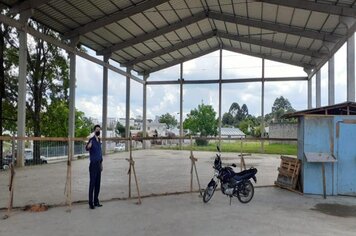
[157,170]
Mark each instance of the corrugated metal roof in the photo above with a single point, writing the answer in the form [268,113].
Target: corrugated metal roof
[345,108]
[232,132]
[135,29]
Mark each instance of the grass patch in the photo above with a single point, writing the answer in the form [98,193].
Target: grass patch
[247,147]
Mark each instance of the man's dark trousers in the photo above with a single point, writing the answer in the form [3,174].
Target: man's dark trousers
[94,184]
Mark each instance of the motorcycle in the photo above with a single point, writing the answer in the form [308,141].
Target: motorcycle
[232,184]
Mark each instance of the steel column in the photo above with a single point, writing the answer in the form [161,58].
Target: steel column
[263,104]
[21,105]
[351,69]
[318,89]
[310,104]
[128,89]
[181,105]
[331,81]
[144,113]
[220,93]
[105,103]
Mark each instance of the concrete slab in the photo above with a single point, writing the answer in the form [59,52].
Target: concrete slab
[158,171]
[272,211]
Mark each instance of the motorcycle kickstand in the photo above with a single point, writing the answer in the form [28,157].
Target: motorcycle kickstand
[230,200]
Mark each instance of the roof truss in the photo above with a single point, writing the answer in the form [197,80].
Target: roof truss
[117,16]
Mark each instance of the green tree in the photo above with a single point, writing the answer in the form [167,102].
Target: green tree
[120,129]
[227,119]
[55,121]
[280,107]
[169,120]
[202,121]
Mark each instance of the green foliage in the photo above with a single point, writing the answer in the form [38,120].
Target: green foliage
[55,121]
[235,115]
[280,107]
[120,129]
[169,120]
[202,121]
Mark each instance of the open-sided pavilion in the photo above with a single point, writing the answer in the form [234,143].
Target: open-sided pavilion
[150,35]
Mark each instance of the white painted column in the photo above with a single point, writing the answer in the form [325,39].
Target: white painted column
[351,69]
[331,81]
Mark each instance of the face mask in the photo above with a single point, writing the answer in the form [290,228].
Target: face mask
[97,133]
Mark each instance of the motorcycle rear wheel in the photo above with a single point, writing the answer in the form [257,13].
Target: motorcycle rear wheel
[245,192]
[208,193]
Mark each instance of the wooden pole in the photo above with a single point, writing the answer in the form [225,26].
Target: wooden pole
[138,190]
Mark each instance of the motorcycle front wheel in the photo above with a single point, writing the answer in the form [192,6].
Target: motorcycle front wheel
[208,193]
[245,192]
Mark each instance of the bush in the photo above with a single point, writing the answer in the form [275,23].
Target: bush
[202,142]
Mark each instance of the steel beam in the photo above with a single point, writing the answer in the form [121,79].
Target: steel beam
[265,56]
[169,28]
[314,6]
[22,27]
[271,44]
[114,17]
[351,68]
[228,81]
[178,61]
[173,48]
[105,104]
[331,81]
[274,27]
[27,5]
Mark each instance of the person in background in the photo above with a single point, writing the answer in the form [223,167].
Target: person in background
[95,167]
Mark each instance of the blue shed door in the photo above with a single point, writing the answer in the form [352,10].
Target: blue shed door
[347,159]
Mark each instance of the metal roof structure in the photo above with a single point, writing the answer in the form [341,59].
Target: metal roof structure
[151,35]
[345,108]
[232,132]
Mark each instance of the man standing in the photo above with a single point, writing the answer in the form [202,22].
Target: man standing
[95,167]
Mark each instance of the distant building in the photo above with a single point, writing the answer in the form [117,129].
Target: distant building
[232,133]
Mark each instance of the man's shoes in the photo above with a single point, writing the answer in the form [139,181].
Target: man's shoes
[92,207]
[98,205]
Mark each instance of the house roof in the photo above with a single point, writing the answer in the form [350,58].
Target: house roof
[152,35]
[232,132]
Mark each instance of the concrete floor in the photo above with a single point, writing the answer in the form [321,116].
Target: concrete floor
[272,211]
[158,171]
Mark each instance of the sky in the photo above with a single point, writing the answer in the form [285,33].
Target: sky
[163,99]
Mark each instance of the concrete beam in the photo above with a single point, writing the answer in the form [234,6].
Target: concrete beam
[114,17]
